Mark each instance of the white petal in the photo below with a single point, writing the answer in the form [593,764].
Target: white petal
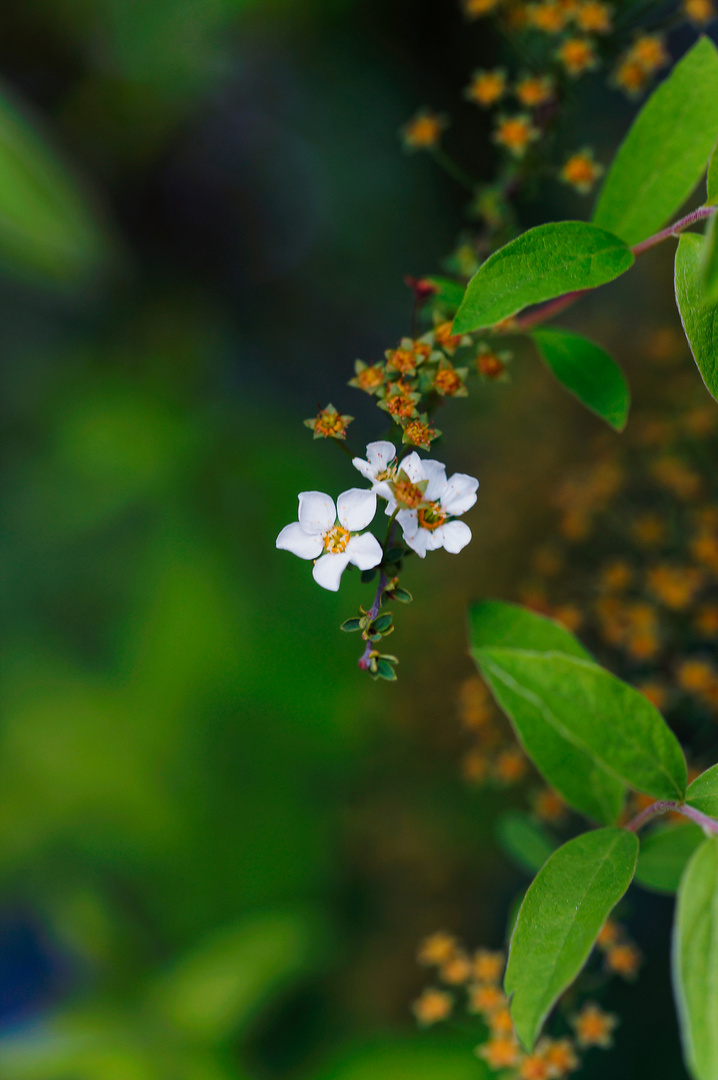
[364,468]
[293,538]
[328,570]
[356,508]
[379,454]
[420,542]
[413,466]
[390,505]
[317,512]
[364,551]
[453,536]
[382,489]
[409,521]
[436,474]
[459,494]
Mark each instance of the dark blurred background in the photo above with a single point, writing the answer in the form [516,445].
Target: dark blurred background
[219,843]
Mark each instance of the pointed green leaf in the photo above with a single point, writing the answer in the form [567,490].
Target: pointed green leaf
[664,854]
[695,961]
[48,226]
[559,920]
[703,792]
[709,263]
[524,841]
[664,154]
[606,718]
[699,317]
[494,622]
[587,371]
[543,263]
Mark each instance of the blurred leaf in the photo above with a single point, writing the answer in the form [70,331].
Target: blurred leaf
[702,793]
[542,263]
[699,317]
[494,622]
[104,1043]
[664,154]
[588,372]
[48,226]
[605,717]
[526,842]
[562,913]
[425,1058]
[664,854]
[695,961]
[450,292]
[220,988]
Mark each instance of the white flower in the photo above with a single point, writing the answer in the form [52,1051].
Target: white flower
[330,534]
[377,467]
[429,527]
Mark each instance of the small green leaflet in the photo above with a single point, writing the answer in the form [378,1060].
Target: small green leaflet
[604,717]
[712,178]
[588,372]
[664,154]
[543,263]
[528,844]
[494,622]
[695,961]
[48,227]
[450,292]
[664,854]
[703,792]
[699,318]
[562,913]
[570,770]
[709,263]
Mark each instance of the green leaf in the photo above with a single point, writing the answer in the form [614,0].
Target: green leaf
[664,154]
[562,913]
[48,227]
[712,178]
[574,774]
[695,961]
[664,854]
[523,840]
[703,792]
[699,318]
[709,262]
[545,262]
[604,717]
[494,623]
[587,371]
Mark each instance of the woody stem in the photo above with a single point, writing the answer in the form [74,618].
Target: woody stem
[664,806]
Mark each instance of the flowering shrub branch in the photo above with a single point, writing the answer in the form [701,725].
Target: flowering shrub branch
[593,737]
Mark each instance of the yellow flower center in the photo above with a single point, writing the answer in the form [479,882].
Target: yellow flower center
[431,516]
[336,540]
[408,494]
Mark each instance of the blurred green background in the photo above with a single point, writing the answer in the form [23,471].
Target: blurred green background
[219,843]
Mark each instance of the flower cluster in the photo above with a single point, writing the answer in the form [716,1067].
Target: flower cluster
[421,501]
[472,982]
